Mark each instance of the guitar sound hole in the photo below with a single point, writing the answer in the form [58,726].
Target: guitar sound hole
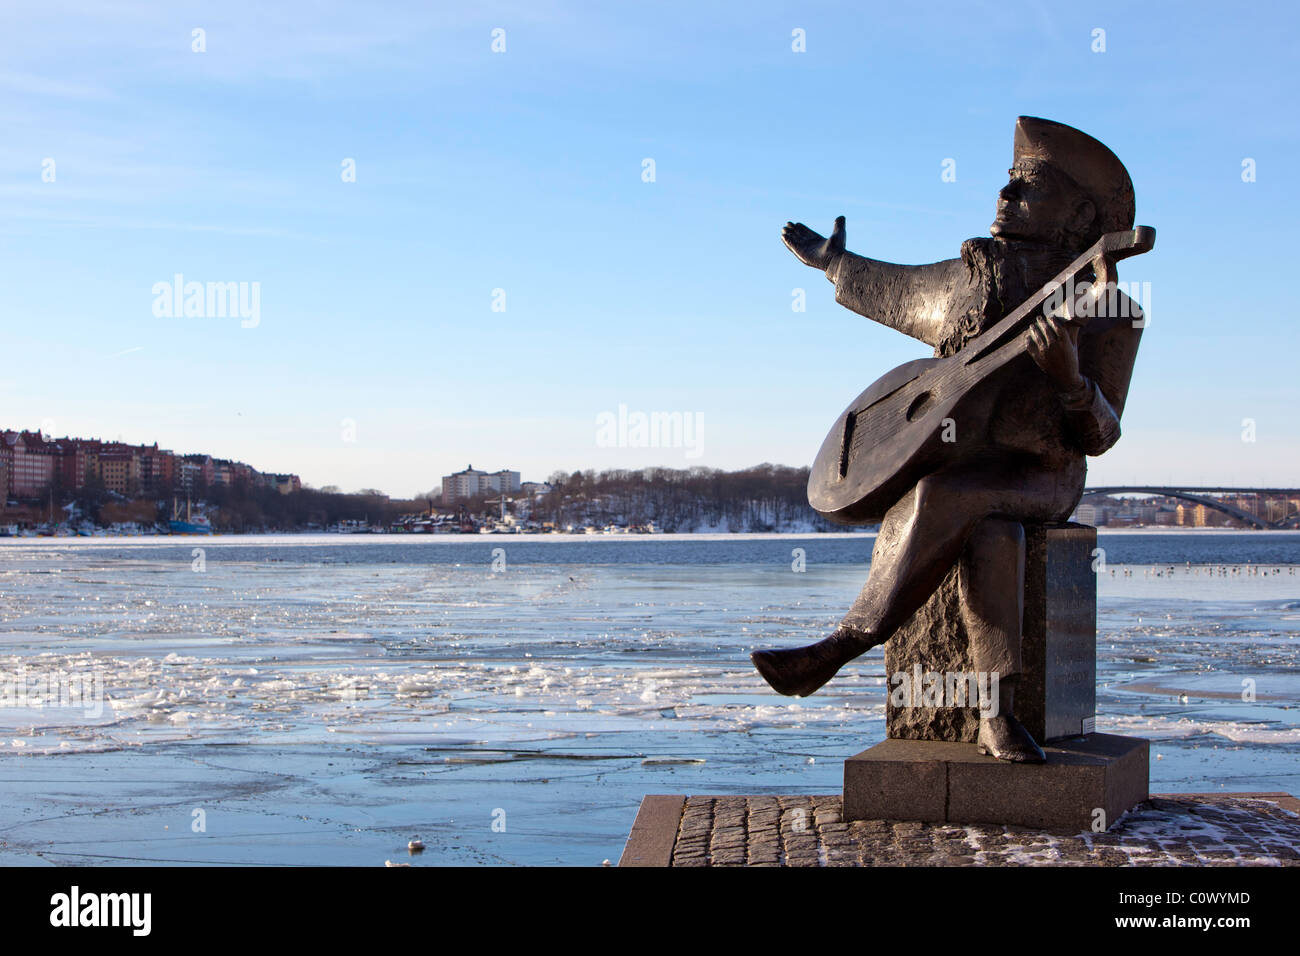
[919,404]
[846,442]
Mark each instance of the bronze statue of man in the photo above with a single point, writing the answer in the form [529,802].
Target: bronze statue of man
[1066,190]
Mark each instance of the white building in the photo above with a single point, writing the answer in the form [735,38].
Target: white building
[471,483]
[505,481]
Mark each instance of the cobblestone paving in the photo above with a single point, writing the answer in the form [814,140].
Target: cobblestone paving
[809,831]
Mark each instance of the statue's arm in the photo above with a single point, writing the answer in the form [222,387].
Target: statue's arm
[915,300]
[1106,363]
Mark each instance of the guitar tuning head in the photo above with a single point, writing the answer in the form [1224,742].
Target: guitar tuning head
[1127,242]
[1106,275]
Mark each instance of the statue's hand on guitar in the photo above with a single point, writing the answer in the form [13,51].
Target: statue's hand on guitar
[812,248]
[1054,344]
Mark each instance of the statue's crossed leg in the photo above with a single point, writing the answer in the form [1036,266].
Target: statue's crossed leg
[967,513]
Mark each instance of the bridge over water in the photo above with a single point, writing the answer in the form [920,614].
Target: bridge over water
[1206,495]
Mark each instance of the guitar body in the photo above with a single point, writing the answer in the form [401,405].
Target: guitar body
[929,413]
[893,434]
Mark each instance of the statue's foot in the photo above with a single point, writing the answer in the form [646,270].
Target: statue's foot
[800,671]
[1005,738]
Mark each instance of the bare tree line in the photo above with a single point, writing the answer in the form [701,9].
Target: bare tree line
[762,498]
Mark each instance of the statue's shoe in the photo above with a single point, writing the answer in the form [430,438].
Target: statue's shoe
[1005,738]
[800,671]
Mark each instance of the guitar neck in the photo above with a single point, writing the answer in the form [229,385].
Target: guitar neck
[1101,255]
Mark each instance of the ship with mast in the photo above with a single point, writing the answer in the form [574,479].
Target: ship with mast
[193,524]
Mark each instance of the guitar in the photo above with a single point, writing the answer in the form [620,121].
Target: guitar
[891,436]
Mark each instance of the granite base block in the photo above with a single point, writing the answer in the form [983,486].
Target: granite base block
[1086,783]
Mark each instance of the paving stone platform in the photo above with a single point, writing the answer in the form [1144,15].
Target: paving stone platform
[1255,829]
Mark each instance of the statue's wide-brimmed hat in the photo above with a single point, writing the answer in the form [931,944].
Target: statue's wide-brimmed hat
[1088,162]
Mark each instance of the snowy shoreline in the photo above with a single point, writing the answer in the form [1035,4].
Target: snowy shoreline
[321,537]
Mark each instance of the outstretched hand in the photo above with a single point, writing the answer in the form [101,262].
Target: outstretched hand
[812,248]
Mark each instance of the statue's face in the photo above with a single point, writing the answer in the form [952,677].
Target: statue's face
[1036,205]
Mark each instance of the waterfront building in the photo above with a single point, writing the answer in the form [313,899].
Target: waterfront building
[31,464]
[1086,514]
[119,469]
[157,468]
[286,484]
[80,457]
[29,461]
[472,483]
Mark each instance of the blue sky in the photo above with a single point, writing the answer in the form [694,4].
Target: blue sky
[522,171]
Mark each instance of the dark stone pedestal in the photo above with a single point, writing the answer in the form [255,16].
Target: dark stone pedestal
[1057,693]
[938,781]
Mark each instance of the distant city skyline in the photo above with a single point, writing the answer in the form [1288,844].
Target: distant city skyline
[35,464]
[411,251]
